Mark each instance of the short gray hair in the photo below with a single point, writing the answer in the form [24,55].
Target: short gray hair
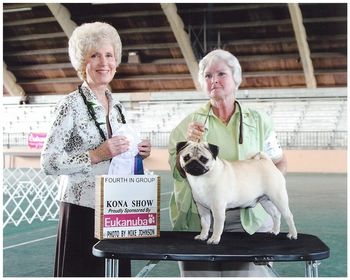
[87,37]
[229,59]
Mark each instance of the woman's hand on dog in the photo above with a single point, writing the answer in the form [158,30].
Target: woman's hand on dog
[195,131]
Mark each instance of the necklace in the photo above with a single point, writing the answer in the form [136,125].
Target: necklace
[91,111]
[240,138]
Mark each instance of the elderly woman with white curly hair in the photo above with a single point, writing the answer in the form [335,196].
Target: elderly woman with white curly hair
[240,132]
[80,145]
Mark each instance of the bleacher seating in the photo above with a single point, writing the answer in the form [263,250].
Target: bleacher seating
[328,115]
[293,118]
[27,118]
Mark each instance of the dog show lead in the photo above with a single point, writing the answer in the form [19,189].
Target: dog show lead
[221,122]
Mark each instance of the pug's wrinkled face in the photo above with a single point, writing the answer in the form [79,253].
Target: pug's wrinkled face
[196,158]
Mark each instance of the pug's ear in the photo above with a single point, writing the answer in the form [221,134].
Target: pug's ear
[179,168]
[214,150]
[180,146]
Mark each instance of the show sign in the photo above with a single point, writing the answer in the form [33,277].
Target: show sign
[127,206]
[36,140]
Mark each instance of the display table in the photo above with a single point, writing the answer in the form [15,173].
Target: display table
[260,248]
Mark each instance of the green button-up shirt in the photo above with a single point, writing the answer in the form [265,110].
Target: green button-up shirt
[257,127]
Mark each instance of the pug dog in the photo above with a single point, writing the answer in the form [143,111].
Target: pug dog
[218,185]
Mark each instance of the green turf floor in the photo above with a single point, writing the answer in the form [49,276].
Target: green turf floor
[318,202]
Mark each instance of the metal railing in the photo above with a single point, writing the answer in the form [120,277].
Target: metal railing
[15,139]
[287,139]
[313,139]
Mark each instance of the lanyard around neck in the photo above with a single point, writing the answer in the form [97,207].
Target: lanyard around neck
[92,114]
[240,139]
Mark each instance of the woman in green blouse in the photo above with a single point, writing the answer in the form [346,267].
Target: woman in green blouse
[240,133]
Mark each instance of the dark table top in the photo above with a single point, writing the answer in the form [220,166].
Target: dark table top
[260,247]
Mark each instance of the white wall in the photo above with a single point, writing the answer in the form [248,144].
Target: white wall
[315,161]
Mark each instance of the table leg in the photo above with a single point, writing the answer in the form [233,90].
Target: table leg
[111,267]
[124,268]
[315,268]
[311,269]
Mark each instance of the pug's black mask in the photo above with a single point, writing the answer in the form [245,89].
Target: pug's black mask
[195,167]
[194,160]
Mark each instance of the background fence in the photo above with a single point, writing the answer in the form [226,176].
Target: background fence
[28,195]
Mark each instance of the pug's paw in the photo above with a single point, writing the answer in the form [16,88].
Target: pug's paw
[201,237]
[214,240]
[293,235]
[275,230]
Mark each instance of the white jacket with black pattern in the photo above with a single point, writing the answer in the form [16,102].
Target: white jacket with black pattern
[72,134]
